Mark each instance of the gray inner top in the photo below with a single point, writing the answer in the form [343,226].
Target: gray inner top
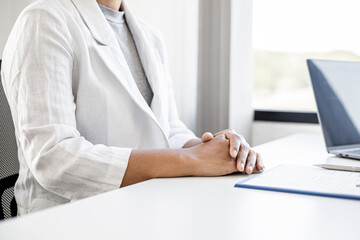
[117,21]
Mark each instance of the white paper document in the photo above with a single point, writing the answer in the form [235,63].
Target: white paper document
[306,180]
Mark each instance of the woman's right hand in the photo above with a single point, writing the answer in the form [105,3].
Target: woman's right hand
[212,158]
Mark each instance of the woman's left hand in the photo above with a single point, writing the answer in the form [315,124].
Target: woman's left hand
[246,158]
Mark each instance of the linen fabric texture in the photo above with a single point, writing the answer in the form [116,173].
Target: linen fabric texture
[77,110]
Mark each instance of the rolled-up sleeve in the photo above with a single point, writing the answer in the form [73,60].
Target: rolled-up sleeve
[39,69]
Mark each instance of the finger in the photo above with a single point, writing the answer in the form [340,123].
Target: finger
[207,137]
[220,136]
[235,142]
[241,157]
[250,162]
[243,141]
[256,171]
[259,163]
[223,132]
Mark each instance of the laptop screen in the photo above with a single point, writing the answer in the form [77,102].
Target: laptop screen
[336,87]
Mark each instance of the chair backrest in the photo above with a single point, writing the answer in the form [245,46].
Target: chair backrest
[9,163]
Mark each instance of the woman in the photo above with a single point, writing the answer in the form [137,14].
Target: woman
[93,107]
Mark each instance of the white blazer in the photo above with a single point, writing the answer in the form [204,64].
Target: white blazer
[76,108]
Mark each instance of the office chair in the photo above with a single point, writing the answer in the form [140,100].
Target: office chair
[9,163]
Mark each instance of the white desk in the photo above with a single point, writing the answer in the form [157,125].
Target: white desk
[202,208]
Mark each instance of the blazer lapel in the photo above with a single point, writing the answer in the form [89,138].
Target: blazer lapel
[94,20]
[110,51]
[152,65]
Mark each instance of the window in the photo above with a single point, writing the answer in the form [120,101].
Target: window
[286,33]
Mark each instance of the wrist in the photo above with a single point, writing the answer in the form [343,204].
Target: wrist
[171,163]
[189,161]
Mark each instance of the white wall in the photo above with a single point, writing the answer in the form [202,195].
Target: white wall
[225,66]
[241,68]
[9,11]
[178,22]
[263,132]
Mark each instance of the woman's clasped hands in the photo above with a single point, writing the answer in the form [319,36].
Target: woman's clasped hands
[224,153]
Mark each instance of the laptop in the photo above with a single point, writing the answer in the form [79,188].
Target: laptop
[336,87]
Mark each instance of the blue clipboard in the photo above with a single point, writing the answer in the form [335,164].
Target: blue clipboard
[247,183]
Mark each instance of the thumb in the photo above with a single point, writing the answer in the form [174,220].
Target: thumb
[206,137]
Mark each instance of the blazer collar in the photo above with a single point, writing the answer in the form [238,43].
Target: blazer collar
[94,20]
[102,32]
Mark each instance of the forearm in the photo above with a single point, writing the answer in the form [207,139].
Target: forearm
[149,164]
[207,157]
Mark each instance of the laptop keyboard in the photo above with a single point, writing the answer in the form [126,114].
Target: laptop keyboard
[355,151]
